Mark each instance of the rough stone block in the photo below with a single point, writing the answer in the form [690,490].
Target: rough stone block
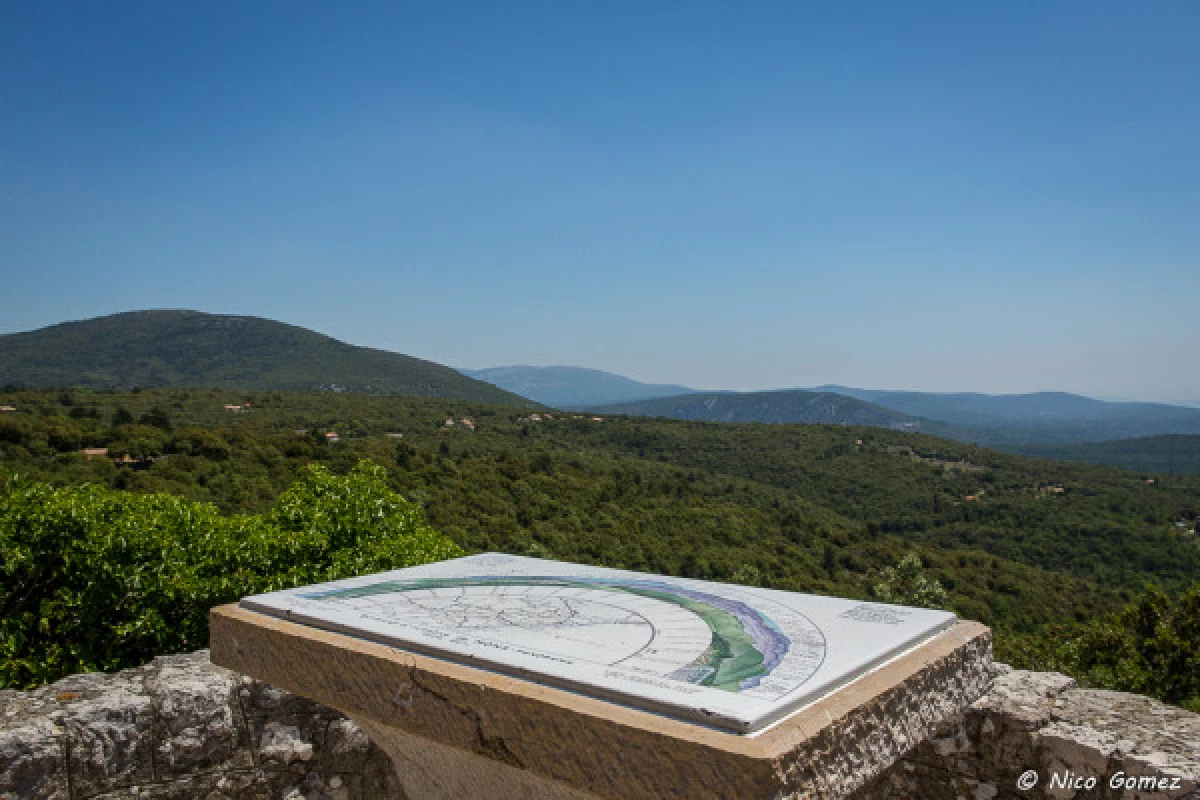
[1041,722]
[176,728]
[109,736]
[32,756]
[1105,733]
[198,719]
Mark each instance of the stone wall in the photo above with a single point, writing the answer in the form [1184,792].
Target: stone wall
[1041,724]
[182,728]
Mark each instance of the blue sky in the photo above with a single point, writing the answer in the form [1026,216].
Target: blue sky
[996,197]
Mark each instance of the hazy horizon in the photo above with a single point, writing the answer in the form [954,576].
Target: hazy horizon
[1000,198]
[716,388]
[811,386]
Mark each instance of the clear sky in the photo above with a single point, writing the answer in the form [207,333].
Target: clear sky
[995,197]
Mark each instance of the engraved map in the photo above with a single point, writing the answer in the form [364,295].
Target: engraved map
[730,656]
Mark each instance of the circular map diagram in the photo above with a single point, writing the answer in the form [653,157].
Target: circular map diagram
[589,624]
[643,625]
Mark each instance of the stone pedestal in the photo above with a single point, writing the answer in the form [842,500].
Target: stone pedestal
[456,731]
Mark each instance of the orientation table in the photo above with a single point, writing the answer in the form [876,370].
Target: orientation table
[496,675]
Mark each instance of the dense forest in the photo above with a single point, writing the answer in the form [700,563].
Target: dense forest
[1081,430]
[789,406]
[1038,549]
[1176,453]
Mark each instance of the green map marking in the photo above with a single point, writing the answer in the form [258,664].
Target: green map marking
[731,662]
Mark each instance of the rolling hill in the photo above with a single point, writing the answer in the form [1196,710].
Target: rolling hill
[1035,423]
[970,408]
[1015,420]
[1019,543]
[1174,454]
[189,348]
[573,387]
[783,406]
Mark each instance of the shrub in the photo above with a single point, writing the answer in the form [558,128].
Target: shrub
[96,579]
[1152,648]
[906,584]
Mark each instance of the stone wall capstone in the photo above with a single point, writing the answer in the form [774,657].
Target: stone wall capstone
[180,727]
[1041,724]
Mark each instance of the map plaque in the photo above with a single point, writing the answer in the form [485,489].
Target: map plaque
[735,657]
[501,676]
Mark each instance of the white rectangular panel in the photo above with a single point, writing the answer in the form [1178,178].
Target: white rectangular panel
[735,657]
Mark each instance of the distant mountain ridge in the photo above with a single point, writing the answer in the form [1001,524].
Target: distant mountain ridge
[573,387]
[1015,420]
[781,406]
[972,407]
[961,417]
[189,348]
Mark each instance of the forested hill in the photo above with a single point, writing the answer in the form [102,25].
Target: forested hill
[1021,544]
[573,387]
[1013,421]
[1049,424]
[189,348]
[1179,455]
[783,406]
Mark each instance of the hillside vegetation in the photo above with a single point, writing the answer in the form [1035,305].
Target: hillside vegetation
[1171,454]
[1018,543]
[188,348]
[1051,425]
[96,579]
[792,406]
[974,407]
[1014,422]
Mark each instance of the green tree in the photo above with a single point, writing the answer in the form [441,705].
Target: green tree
[906,584]
[95,579]
[202,442]
[829,562]
[157,418]
[63,434]
[747,574]
[139,441]
[1152,648]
